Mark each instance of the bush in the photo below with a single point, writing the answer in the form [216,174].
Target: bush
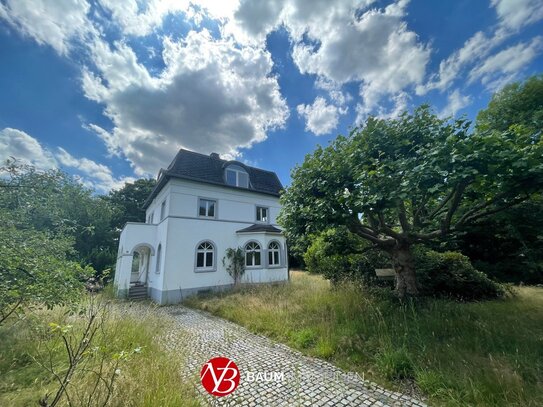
[451,274]
[339,255]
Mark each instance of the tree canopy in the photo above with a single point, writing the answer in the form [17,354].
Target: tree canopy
[414,179]
[519,104]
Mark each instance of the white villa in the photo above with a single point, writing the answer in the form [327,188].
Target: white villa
[201,206]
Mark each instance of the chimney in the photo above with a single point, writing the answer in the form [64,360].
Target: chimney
[215,156]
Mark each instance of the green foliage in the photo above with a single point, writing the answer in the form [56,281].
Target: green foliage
[451,274]
[415,179]
[128,202]
[509,245]
[519,104]
[234,261]
[340,255]
[456,353]
[148,375]
[413,166]
[34,268]
[55,203]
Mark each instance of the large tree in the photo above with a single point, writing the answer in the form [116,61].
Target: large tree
[415,179]
[129,201]
[509,246]
[517,104]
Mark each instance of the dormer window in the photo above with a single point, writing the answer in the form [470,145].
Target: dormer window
[237,176]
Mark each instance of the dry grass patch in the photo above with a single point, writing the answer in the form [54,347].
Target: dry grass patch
[148,377]
[485,354]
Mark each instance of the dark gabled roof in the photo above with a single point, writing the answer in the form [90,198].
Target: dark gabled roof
[260,228]
[210,170]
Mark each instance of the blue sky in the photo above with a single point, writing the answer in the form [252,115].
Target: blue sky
[108,90]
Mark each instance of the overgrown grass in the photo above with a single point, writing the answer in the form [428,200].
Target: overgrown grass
[456,354]
[149,378]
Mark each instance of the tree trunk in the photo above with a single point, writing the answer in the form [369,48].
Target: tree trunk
[404,266]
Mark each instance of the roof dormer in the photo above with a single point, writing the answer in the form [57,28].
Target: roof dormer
[236,175]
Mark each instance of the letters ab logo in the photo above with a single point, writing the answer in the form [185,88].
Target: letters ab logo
[220,376]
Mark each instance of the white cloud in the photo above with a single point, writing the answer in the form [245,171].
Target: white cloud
[211,96]
[55,23]
[320,118]
[515,14]
[343,42]
[504,66]
[512,15]
[25,148]
[399,102]
[137,18]
[475,48]
[95,175]
[455,102]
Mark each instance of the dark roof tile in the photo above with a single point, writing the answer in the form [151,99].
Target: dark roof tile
[260,228]
[210,169]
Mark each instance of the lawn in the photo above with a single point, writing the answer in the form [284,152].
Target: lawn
[455,354]
[148,377]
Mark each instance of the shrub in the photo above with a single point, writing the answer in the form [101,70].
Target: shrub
[340,255]
[451,274]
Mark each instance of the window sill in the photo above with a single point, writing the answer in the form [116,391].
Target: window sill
[205,270]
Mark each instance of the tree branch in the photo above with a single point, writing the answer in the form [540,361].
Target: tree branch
[442,204]
[387,229]
[357,228]
[403,218]
[479,215]
[11,311]
[455,203]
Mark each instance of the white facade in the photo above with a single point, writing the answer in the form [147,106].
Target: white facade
[168,243]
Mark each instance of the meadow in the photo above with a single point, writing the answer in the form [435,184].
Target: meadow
[125,356]
[453,354]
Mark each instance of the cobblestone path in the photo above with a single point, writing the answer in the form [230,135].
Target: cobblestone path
[296,380]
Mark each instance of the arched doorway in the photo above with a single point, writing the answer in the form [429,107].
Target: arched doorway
[139,270]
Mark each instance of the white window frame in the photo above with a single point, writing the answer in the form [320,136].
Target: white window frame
[163,210]
[272,252]
[237,172]
[207,200]
[252,263]
[259,209]
[158,258]
[207,247]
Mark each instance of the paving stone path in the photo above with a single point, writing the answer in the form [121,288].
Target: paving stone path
[287,377]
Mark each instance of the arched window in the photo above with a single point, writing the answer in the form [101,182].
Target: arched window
[273,253]
[237,176]
[252,254]
[205,256]
[158,258]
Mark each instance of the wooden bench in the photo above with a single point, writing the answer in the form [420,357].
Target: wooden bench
[385,274]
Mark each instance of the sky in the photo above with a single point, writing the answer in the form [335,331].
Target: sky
[109,90]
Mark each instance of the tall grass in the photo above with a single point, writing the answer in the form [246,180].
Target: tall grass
[150,377]
[456,354]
